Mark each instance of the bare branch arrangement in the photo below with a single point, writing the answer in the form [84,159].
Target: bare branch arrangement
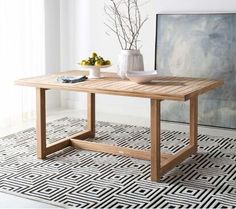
[125,21]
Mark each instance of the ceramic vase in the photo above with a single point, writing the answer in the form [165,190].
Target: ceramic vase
[129,60]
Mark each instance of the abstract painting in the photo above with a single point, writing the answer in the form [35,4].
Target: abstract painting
[199,45]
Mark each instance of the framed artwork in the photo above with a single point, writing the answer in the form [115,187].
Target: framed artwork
[199,45]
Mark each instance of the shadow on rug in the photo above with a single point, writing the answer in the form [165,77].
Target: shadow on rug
[79,178]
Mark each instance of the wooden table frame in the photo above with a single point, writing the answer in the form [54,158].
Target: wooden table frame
[160,162]
[164,88]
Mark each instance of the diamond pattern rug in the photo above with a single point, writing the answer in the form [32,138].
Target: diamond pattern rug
[84,179]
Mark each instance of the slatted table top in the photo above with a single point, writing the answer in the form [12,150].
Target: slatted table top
[166,88]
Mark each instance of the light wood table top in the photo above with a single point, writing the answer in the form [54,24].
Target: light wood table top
[165,87]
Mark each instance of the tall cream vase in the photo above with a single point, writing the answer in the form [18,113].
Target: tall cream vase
[129,60]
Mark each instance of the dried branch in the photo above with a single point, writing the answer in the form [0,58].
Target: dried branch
[125,21]
[116,31]
[118,16]
[137,32]
[129,17]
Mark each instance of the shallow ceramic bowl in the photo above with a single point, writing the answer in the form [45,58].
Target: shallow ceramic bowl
[142,76]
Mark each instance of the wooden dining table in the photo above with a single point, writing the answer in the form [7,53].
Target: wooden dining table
[163,88]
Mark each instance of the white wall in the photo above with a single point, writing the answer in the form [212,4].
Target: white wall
[83,31]
[196,6]
[89,35]
[52,47]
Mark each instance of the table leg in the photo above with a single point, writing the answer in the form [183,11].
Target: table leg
[155,140]
[194,122]
[91,113]
[41,123]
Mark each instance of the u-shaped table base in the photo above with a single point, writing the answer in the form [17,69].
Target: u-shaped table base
[160,162]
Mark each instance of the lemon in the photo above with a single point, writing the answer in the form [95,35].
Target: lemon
[98,63]
[94,54]
[107,62]
[83,62]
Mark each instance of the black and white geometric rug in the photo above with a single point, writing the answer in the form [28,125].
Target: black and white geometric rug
[84,179]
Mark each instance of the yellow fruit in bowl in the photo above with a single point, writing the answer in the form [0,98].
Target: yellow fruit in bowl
[98,63]
[95,60]
[94,55]
[107,62]
[83,62]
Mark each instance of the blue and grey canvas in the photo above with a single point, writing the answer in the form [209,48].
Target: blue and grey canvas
[200,45]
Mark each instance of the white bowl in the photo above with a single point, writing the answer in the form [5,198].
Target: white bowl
[94,71]
[93,66]
[142,76]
